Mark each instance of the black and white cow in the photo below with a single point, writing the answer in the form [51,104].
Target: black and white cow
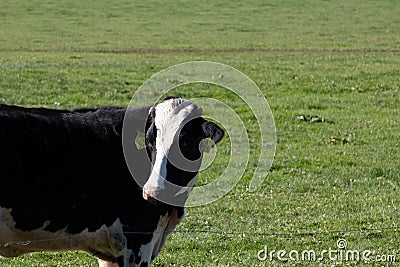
[66,185]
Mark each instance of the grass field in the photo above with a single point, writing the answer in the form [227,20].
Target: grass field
[336,177]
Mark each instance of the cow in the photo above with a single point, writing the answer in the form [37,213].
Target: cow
[68,184]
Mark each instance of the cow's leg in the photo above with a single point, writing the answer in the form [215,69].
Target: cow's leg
[103,263]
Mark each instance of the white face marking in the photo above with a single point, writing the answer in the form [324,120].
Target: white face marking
[169,116]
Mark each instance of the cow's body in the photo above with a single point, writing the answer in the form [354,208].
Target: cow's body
[65,186]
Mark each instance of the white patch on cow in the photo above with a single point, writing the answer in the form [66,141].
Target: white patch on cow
[166,225]
[107,264]
[108,241]
[169,116]
[147,251]
[173,221]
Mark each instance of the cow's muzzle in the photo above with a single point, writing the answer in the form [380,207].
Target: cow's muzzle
[150,193]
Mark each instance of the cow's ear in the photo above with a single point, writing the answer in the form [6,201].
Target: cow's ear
[213,131]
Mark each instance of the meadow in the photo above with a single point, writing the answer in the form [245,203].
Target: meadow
[329,70]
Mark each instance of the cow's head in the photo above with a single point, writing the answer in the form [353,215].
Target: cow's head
[174,132]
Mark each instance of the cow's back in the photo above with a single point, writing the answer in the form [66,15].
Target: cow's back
[56,165]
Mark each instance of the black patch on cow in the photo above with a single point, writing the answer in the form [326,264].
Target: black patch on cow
[170,97]
[66,170]
[187,143]
[181,212]
[213,131]
[145,264]
[121,261]
[131,258]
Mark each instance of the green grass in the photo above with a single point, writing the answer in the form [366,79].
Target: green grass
[199,25]
[342,173]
